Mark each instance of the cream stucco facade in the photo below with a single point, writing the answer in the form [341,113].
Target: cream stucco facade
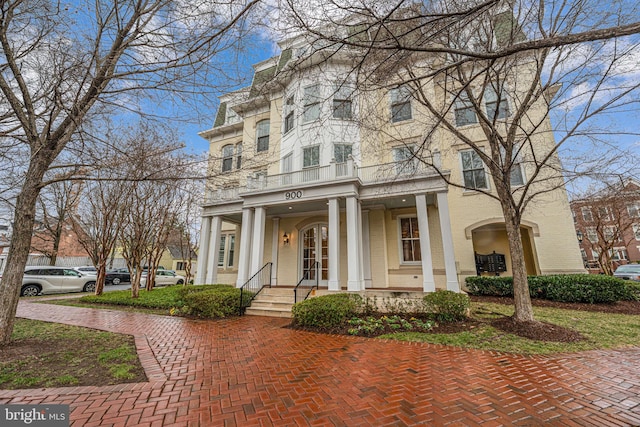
[305,169]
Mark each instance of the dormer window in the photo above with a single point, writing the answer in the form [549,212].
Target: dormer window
[232,116]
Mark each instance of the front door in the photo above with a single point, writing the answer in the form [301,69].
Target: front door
[315,248]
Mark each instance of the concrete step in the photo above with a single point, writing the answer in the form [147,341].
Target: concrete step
[273,302]
[267,311]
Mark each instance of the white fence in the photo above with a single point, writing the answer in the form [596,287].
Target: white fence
[76,261]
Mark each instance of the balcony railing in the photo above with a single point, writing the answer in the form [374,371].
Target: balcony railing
[387,172]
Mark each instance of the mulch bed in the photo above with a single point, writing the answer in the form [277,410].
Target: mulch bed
[539,331]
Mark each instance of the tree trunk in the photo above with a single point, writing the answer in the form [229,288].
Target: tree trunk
[11,283]
[100,277]
[521,296]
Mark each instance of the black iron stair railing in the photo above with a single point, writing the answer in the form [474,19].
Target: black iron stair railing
[301,287]
[253,286]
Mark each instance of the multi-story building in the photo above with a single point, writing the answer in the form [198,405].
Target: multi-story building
[307,167]
[607,226]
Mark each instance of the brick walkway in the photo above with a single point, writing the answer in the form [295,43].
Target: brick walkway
[253,372]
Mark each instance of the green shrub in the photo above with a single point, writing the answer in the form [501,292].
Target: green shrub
[490,286]
[586,288]
[447,306]
[190,289]
[215,302]
[327,311]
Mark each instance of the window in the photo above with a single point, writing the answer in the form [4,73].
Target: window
[592,234]
[311,103]
[227,158]
[238,156]
[223,241]
[341,152]
[634,210]
[463,110]
[181,265]
[517,176]
[400,104]
[473,170]
[231,116]
[603,213]
[289,111]
[609,233]
[262,135]
[496,104]
[636,231]
[311,156]
[586,214]
[226,250]
[405,159]
[342,103]
[618,254]
[410,240]
[232,249]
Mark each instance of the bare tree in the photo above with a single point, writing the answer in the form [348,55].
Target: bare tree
[63,63]
[98,220]
[499,79]
[57,203]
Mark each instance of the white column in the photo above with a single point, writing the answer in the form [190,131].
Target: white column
[275,245]
[257,253]
[354,238]
[366,250]
[205,236]
[428,282]
[360,250]
[334,245]
[245,247]
[214,246]
[447,243]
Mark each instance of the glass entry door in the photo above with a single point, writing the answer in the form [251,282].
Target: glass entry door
[315,247]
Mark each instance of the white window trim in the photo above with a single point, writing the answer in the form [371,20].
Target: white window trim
[486,174]
[399,238]
[319,156]
[391,104]
[584,209]
[227,247]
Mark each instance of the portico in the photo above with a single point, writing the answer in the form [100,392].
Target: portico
[330,222]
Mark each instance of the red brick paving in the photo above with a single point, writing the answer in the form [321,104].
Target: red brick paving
[253,372]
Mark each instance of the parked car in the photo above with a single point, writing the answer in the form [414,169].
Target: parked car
[117,276]
[88,270]
[628,272]
[53,280]
[163,278]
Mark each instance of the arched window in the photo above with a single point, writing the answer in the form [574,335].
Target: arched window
[262,135]
[227,158]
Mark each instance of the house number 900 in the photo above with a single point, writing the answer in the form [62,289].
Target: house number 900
[289,195]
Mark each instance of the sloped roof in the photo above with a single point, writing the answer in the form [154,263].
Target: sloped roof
[177,252]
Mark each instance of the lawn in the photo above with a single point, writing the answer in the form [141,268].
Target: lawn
[601,330]
[44,354]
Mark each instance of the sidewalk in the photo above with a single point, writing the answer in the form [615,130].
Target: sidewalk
[252,371]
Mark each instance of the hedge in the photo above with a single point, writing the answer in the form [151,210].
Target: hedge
[326,311]
[586,288]
[214,302]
